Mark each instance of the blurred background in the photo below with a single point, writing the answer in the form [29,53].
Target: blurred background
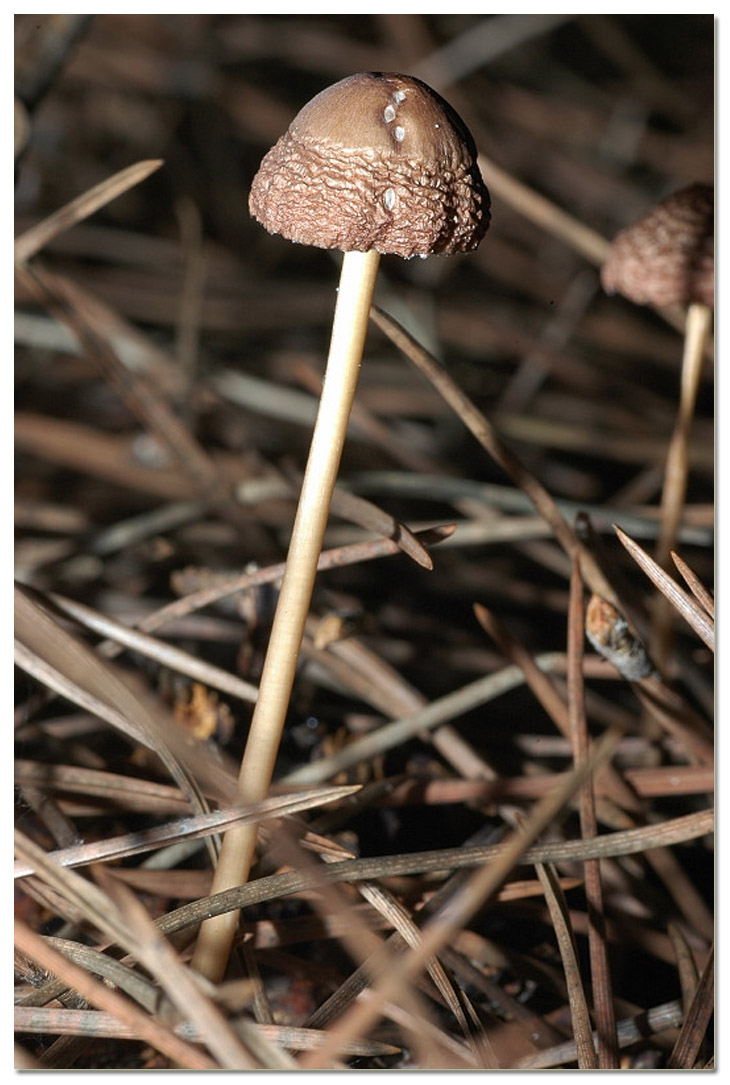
[584,123]
[601,115]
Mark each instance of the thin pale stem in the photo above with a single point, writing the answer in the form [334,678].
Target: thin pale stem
[675,475]
[357,283]
[676,472]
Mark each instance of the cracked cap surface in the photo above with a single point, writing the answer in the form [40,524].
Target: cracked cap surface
[376,161]
[668,256]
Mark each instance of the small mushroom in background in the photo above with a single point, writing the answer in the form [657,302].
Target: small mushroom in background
[667,259]
[377,163]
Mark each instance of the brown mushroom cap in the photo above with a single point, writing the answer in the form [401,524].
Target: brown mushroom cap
[376,161]
[668,257]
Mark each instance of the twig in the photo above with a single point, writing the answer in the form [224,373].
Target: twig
[439,930]
[99,994]
[610,845]
[600,972]
[579,1015]
[692,1033]
[700,592]
[693,614]
[34,239]
[487,436]
[195,828]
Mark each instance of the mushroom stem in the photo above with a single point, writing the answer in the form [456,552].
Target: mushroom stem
[357,284]
[676,471]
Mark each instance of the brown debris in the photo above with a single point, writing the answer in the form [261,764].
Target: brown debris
[168,360]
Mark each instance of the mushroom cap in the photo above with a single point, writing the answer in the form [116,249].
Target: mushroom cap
[667,257]
[376,161]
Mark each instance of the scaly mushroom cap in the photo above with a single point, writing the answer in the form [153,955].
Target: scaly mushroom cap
[377,161]
[668,257]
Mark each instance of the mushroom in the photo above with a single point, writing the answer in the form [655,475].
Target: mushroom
[665,259]
[377,163]
[668,256]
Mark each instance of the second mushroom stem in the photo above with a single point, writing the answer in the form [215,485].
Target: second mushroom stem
[697,331]
[355,294]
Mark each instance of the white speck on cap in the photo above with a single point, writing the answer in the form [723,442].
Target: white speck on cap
[377,161]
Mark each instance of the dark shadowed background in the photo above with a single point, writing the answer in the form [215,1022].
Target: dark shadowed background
[586,120]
